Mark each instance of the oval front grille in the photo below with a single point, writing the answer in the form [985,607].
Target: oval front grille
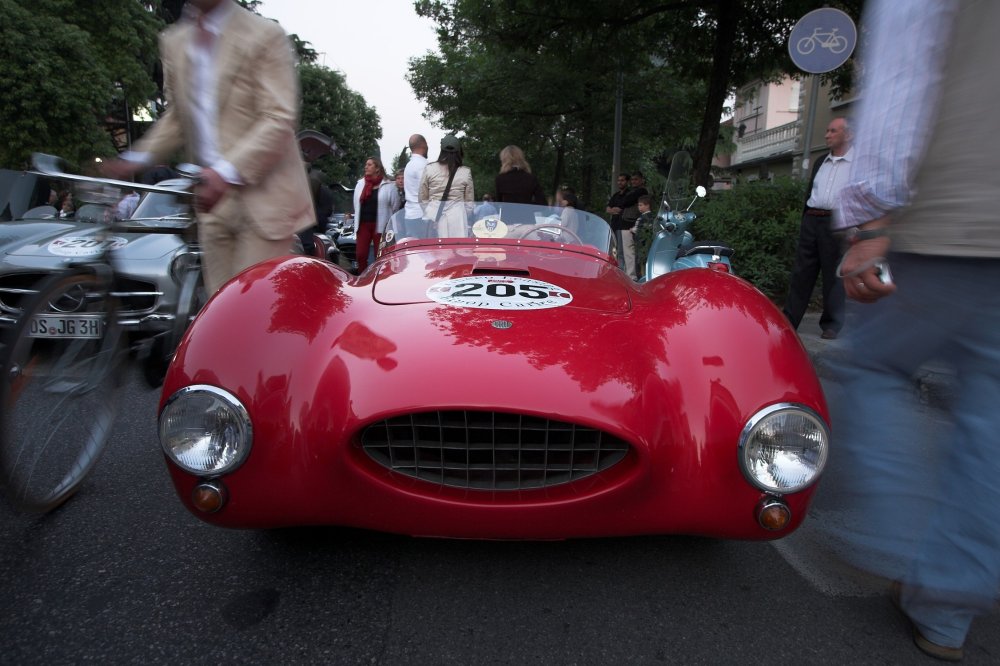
[135,296]
[490,450]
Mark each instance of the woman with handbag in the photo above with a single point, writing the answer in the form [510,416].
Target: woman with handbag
[447,192]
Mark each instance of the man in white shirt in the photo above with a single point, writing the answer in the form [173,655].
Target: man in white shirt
[818,250]
[233,108]
[411,185]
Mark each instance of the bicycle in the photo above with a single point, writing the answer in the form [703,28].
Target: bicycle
[63,360]
[828,40]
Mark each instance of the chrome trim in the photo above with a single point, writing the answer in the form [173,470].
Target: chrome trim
[752,424]
[226,397]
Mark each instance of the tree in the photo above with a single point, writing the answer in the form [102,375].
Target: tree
[65,68]
[543,75]
[330,107]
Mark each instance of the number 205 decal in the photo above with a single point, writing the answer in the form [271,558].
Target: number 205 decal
[84,246]
[499,293]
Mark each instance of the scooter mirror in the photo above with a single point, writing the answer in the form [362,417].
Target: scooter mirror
[700,191]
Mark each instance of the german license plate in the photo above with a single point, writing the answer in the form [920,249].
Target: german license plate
[66,326]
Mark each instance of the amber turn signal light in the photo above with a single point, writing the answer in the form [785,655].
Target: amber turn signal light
[773,514]
[209,496]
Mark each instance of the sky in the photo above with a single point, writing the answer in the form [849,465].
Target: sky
[370,42]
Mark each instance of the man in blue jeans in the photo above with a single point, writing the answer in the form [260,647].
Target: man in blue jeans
[924,183]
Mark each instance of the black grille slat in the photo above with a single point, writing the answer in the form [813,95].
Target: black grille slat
[490,450]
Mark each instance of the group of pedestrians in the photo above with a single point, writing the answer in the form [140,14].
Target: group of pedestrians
[623,209]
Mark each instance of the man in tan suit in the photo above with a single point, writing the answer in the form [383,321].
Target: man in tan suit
[232,105]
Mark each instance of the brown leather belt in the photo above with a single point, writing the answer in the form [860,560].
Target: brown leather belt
[818,212]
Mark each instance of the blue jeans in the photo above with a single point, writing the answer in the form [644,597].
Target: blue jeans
[938,523]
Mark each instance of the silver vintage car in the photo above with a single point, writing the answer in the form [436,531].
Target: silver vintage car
[150,255]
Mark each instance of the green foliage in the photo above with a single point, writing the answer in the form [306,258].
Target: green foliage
[543,74]
[66,69]
[760,221]
[330,107]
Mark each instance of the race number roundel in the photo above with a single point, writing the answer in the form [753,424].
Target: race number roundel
[499,292]
[85,246]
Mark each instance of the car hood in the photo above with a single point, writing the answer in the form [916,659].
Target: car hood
[85,240]
[549,278]
[19,232]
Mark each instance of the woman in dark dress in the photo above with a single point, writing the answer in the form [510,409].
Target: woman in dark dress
[515,182]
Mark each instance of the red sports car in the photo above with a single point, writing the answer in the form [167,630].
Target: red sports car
[493,374]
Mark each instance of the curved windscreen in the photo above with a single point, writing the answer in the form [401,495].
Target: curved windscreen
[490,221]
[163,207]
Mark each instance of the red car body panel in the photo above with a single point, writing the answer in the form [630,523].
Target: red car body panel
[675,367]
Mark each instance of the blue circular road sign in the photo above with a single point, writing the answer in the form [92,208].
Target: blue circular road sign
[822,40]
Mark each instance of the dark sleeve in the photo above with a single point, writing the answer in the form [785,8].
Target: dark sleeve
[325,203]
[538,196]
[812,179]
[632,197]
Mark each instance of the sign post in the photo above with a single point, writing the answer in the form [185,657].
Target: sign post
[820,42]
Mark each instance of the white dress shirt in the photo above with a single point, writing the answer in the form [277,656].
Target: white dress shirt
[830,178]
[411,186]
[902,83]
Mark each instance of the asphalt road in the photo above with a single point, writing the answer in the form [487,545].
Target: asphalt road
[123,574]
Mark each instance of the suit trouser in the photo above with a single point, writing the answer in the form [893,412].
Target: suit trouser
[230,244]
[817,252]
[926,501]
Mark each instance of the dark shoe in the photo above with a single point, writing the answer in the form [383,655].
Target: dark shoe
[829,334]
[930,648]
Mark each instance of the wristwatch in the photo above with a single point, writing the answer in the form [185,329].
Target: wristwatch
[855,234]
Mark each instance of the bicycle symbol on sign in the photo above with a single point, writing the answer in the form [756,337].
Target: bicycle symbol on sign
[828,40]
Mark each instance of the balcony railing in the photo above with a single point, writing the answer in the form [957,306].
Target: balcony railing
[780,140]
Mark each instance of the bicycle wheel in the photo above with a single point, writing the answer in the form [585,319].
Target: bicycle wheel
[61,370]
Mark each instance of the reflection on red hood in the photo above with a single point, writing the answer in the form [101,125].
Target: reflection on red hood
[594,283]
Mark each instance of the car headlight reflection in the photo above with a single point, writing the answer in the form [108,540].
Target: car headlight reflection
[783,448]
[183,261]
[205,430]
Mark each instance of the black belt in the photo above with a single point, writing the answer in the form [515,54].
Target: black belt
[818,212]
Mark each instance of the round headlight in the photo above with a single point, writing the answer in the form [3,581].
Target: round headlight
[205,430]
[783,448]
[183,261]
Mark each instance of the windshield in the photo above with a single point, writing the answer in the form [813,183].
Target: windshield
[500,223]
[160,205]
[678,188]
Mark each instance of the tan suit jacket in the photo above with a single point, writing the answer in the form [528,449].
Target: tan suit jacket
[258,102]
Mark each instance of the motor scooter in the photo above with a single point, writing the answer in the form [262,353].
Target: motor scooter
[673,246]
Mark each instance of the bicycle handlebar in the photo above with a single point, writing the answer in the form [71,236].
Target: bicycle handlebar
[54,167]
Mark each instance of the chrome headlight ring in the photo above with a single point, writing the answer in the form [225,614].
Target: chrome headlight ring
[205,430]
[783,448]
[184,261]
